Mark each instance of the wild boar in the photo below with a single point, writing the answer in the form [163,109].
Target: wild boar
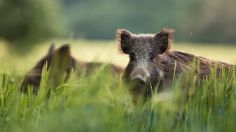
[58,60]
[153,65]
[60,63]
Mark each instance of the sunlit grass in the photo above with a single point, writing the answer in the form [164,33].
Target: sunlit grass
[101,102]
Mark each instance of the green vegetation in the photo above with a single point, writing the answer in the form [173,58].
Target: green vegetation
[101,102]
[194,21]
[28,22]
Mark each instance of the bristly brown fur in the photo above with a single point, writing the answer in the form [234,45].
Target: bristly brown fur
[153,66]
[168,31]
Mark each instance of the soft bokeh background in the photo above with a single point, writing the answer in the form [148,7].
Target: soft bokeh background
[100,102]
[205,28]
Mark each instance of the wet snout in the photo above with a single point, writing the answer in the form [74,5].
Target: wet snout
[140,76]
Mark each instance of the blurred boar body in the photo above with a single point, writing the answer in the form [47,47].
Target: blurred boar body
[153,66]
[60,63]
[89,67]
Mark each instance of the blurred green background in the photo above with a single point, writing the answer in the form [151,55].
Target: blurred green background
[100,102]
[27,22]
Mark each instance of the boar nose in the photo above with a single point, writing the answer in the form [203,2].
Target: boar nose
[140,76]
[138,81]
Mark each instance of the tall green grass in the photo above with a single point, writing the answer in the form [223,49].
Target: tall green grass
[101,102]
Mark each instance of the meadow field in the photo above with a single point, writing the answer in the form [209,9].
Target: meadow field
[101,102]
[106,51]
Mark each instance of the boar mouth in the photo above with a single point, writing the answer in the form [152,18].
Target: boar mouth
[138,82]
[140,85]
[143,89]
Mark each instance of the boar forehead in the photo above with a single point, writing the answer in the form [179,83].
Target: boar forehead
[142,46]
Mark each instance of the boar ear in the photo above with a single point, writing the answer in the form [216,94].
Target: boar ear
[124,38]
[51,49]
[164,40]
[64,49]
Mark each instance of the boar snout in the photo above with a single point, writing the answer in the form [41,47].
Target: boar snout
[140,76]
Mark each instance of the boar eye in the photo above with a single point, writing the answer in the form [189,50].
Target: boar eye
[152,56]
[132,56]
